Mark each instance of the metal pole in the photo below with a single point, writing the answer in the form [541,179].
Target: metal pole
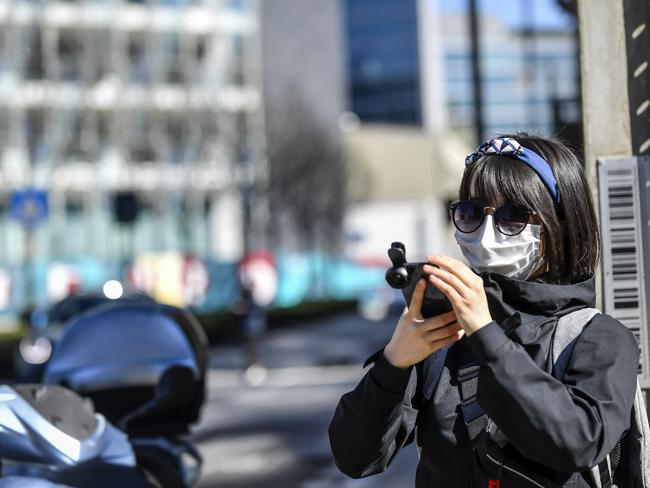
[257,210]
[30,281]
[529,64]
[605,97]
[476,70]
[605,104]
[637,17]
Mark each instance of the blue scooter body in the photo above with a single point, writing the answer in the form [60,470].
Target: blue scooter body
[50,436]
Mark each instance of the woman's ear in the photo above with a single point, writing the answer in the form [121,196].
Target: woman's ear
[543,247]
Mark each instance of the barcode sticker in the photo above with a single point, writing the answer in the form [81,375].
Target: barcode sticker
[623,283]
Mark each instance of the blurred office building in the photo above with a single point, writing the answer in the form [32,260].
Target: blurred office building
[384,81]
[303,63]
[141,121]
[401,182]
[321,98]
[405,160]
[410,61]
[304,95]
[343,186]
[529,70]
[411,88]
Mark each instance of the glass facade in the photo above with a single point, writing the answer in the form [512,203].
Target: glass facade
[528,63]
[529,67]
[382,60]
[519,87]
[158,99]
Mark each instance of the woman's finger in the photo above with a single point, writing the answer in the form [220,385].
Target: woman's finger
[417,298]
[456,267]
[439,344]
[446,289]
[439,321]
[451,279]
[443,332]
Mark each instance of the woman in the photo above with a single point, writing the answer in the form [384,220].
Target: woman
[475,385]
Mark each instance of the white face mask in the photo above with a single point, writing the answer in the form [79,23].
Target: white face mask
[487,249]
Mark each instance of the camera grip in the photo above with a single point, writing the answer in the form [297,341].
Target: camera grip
[435,302]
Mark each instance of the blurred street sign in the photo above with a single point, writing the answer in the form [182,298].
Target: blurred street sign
[5,289]
[29,207]
[171,277]
[258,272]
[61,281]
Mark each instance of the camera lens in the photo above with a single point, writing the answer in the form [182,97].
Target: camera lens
[397,278]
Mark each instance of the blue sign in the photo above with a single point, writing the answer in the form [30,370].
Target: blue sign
[29,207]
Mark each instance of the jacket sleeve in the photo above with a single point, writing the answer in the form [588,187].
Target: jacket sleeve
[567,425]
[375,420]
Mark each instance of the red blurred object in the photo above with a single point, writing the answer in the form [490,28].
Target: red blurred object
[258,273]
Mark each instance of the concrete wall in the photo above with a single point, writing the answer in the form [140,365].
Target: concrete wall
[303,58]
[400,181]
[605,103]
[396,163]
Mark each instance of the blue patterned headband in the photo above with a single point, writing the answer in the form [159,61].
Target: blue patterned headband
[509,147]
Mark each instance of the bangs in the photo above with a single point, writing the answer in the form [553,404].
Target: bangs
[496,180]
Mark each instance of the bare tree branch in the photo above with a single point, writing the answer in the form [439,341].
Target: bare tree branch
[307,180]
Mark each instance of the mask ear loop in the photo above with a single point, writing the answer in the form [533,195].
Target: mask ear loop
[542,250]
[544,267]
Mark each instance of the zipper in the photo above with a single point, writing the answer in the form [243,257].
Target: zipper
[514,471]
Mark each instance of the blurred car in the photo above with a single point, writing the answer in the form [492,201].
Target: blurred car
[379,303]
[46,326]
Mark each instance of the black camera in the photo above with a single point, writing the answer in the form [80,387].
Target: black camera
[405,276]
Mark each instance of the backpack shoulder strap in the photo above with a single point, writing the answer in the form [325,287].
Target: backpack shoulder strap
[639,440]
[430,370]
[568,329]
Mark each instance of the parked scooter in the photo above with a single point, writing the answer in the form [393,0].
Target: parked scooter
[46,325]
[51,437]
[143,366]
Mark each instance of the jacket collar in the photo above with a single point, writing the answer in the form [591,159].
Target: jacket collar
[515,302]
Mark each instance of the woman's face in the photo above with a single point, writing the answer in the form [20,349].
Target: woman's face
[534,219]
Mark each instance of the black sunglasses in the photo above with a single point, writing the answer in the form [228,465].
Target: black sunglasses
[509,219]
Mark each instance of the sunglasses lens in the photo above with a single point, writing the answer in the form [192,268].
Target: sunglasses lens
[511,220]
[468,216]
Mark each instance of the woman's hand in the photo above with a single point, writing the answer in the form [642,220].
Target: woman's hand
[463,288]
[415,338]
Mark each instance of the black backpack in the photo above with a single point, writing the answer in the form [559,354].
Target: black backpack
[632,453]
[497,460]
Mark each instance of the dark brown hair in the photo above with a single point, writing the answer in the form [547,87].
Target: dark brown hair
[572,240]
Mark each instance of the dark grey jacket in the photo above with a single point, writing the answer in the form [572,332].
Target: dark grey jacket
[554,428]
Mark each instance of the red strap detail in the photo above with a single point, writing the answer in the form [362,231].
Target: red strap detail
[494,484]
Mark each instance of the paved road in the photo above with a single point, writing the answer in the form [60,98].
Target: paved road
[275,434]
